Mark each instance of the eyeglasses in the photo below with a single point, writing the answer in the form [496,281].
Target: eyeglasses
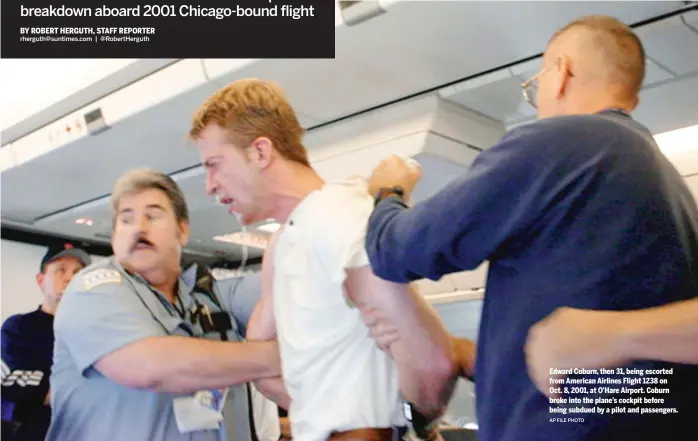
[530,87]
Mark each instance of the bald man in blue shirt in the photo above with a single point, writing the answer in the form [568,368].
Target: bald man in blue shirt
[579,209]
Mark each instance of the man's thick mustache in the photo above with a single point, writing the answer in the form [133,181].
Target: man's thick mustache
[142,241]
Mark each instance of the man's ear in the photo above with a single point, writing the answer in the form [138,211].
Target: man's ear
[183,233]
[40,279]
[261,152]
[563,74]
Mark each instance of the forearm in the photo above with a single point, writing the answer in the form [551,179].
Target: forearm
[397,244]
[424,355]
[274,389]
[386,242]
[183,365]
[668,333]
[429,388]
[263,328]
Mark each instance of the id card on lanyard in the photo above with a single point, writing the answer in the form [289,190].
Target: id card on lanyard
[202,410]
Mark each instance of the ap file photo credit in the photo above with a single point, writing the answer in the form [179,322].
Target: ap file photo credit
[207,29]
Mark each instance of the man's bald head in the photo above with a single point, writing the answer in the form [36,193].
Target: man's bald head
[611,48]
[595,61]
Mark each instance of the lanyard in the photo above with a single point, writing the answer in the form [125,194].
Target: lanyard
[176,305]
[182,314]
[209,321]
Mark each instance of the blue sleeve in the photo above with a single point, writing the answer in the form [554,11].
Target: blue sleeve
[24,382]
[465,223]
[240,295]
[11,329]
[101,313]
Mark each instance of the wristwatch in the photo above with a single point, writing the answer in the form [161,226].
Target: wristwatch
[425,429]
[386,192]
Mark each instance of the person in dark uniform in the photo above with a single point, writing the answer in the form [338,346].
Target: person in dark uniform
[579,209]
[27,349]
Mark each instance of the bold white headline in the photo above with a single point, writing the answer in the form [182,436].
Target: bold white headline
[294,12]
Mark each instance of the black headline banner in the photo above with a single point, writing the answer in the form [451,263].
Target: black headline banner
[200,29]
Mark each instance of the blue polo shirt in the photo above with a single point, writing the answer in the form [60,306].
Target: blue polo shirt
[580,211]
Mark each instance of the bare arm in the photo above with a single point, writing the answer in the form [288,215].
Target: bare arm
[667,333]
[576,338]
[184,365]
[423,352]
[262,326]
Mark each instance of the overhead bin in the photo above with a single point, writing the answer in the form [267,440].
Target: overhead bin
[7,159]
[497,94]
[443,138]
[352,13]
[73,84]
[355,12]
[152,90]
[167,83]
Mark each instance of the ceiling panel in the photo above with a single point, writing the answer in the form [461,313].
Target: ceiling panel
[690,19]
[672,44]
[499,97]
[89,167]
[655,74]
[670,106]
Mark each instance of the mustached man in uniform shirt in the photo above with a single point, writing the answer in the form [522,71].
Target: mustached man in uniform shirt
[27,348]
[146,351]
[315,273]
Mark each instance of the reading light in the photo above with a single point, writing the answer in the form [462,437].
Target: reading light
[84,221]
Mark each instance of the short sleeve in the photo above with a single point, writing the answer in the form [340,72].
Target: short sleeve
[340,238]
[240,295]
[101,313]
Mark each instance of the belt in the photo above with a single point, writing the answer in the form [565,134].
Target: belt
[389,434]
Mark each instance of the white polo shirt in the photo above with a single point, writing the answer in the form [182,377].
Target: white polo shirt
[335,375]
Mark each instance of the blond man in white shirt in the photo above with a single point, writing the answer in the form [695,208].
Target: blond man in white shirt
[337,383]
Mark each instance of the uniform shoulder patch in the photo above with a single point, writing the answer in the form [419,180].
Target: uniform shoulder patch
[102,276]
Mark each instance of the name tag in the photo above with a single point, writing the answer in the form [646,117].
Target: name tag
[200,411]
